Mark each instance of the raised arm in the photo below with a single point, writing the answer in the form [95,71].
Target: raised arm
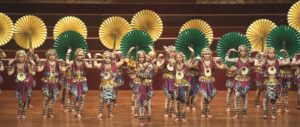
[234,60]
[286,60]
[89,62]
[95,61]
[68,57]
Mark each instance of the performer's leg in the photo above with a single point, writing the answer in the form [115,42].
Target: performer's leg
[265,107]
[237,104]
[245,103]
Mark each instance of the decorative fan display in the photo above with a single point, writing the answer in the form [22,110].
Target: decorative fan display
[191,38]
[6,29]
[69,39]
[257,33]
[284,37]
[229,41]
[293,16]
[138,39]
[200,25]
[69,23]
[30,32]
[148,21]
[112,30]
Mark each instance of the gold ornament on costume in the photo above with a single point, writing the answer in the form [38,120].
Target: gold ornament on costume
[112,30]
[293,16]
[201,26]
[69,23]
[30,32]
[257,33]
[148,21]
[6,29]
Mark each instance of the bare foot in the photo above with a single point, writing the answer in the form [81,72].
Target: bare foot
[203,116]
[142,123]
[19,116]
[166,115]
[279,110]
[45,116]
[100,115]
[177,119]
[265,116]
[193,109]
[173,115]
[66,110]
[228,110]
[257,106]
[273,117]
[132,108]
[183,120]
[244,116]
[286,110]
[135,115]
[236,116]
[209,116]
[23,116]
[187,108]
[78,115]
[30,106]
[50,116]
[111,115]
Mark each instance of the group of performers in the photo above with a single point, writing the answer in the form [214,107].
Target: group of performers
[182,80]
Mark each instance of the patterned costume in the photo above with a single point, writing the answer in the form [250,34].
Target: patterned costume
[143,81]
[181,89]
[50,86]
[207,87]
[168,89]
[272,87]
[230,86]
[108,87]
[242,85]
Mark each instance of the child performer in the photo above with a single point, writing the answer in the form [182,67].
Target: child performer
[24,69]
[272,85]
[296,63]
[66,81]
[143,78]
[208,90]
[181,85]
[230,74]
[51,68]
[79,86]
[286,76]
[168,76]
[2,55]
[259,80]
[242,78]
[108,71]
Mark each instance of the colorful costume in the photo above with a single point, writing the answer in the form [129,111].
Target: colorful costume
[242,85]
[230,86]
[108,86]
[272,86]
[50,86]
[193,78]
[207,87]
[181,89]
[168,89]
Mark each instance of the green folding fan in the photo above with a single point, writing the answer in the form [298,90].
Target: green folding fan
[229,41]
[138,39]
[69,39]
[193,38]
[284,37]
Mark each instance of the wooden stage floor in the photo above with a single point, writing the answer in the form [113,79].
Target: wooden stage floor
[124,118]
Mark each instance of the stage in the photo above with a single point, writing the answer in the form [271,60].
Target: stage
[124,117]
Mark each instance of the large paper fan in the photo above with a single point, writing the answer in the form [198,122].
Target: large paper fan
[293,16]
[69,39]
[112,30]
[138,39]
[200,25]
[284,37]
[149,22]
[6,29]
[191,38]
[69,23]
[257,33]
[229,41]
[30,32]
